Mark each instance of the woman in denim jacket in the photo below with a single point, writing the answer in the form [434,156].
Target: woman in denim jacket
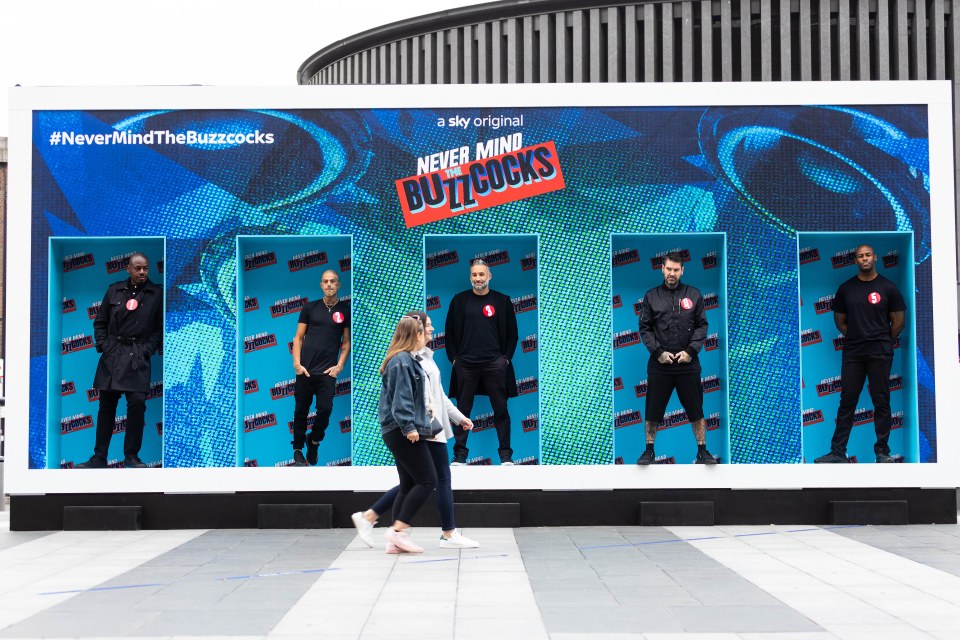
[445,412]
[404,425]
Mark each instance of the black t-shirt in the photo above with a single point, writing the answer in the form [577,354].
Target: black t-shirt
[481,340]
[321,344]
[867,304]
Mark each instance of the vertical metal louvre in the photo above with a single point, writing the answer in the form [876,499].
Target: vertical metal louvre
[684,41]
[674,41]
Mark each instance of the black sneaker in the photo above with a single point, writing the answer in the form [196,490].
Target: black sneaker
[884,458]
[133,462]
[312,452]
[298,459]
[459,461]
[705,457]
[93,463]
[831,458]
[647,457]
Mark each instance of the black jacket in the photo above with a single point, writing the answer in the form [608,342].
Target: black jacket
[126,339]
[667,325]
[506,330]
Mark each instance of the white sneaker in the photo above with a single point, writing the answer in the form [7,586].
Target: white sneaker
[506,463]
[402,540]
[364,529]
[458,541]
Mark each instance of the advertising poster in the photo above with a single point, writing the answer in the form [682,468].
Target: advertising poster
[406,187]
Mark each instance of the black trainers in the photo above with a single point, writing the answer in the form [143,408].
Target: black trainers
[647,457]
[93,463]
[705,457]
[884,458]
[312,452]
[133,462]
[298,459]
[459,461]
[831,458]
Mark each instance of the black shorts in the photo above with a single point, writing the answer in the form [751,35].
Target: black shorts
[660,385]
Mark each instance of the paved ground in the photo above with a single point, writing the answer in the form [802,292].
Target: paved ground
[654,583]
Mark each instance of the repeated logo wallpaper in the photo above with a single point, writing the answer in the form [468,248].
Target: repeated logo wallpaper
[572,176]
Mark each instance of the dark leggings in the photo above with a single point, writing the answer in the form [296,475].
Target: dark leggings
[444,493]
[418,477]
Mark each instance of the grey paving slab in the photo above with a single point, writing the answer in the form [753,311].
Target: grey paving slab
[220,622]
[224,583]
[742,619]
[936,546]
[10,539]
[112,622]
[642,580]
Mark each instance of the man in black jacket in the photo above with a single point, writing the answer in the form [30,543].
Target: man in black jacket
[673,326]
[128,330]
[482,336]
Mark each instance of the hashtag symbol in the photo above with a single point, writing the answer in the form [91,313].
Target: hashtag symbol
[55,138]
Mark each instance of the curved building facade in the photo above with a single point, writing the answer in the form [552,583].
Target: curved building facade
[680,41]
[558,41]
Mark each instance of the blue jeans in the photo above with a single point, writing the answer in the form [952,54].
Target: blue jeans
[444,494]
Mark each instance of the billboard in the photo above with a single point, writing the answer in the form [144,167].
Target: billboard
[397,181]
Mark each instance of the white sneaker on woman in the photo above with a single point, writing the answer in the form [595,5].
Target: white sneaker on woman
[403,541]
[364,529]
[458,541]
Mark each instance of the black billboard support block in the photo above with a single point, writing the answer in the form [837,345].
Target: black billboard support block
[105,518]
[487,514]
[686,513]
[295,516]
[868,512]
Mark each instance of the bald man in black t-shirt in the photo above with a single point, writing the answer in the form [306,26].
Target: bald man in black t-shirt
[320,350]
[869,311]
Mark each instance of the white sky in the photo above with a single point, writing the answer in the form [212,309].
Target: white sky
[178,42]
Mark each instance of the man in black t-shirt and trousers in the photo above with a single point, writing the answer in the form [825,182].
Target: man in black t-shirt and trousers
[673,327]
[320,349]
[127,331]
[868,310]
[481,338]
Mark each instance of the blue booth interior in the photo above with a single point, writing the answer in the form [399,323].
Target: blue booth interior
[276,277]
[514,265]
[826,260]
[80,270]
[636,268]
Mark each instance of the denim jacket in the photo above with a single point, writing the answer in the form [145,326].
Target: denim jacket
[402,403]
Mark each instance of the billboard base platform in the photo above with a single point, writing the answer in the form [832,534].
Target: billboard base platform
[295,516]
[699,513]
[869,512]
[90,518]
[492,508]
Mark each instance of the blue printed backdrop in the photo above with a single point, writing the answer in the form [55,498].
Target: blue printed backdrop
[757,173]
[81,270]
[271,292]
[636,270]
[826,261]
[513,264]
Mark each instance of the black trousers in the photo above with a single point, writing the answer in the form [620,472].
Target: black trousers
[494,377]
[321,387]
[107,417]
[418,476]
[853,371]
[663,379]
